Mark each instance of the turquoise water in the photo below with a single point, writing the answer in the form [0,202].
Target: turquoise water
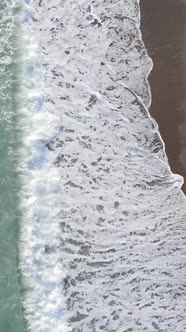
[10,299]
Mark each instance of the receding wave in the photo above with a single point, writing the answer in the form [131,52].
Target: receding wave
[102,231]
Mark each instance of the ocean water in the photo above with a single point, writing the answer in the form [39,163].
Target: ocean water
[10,295]
[102,217]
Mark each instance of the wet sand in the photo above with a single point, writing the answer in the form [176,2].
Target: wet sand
[163,28]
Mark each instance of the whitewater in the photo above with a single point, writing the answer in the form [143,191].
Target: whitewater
[102,217]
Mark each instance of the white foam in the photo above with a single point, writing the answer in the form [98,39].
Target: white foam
[40,258]
[104,177]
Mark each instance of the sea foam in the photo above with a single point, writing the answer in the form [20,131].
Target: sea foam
[102,231]
[40,257]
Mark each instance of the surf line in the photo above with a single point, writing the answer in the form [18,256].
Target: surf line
[40,258]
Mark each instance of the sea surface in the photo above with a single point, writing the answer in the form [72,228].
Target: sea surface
[95,232]
[10,298]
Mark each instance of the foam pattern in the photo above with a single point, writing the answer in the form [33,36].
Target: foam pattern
[104,224]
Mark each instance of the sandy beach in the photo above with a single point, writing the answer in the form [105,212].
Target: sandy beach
[163,28]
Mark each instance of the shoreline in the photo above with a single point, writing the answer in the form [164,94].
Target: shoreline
[162,27]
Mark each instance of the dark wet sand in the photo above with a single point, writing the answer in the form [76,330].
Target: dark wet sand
[164,33]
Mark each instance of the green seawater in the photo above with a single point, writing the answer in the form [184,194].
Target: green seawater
[11,317]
